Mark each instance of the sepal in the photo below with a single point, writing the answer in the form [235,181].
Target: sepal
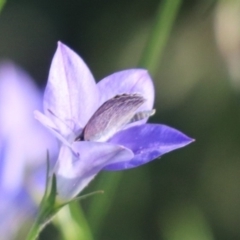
[78,198]
[50,204]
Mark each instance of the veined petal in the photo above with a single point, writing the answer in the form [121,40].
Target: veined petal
[71,93]
[128,81]
[47,122]
[75,170]
[147,142]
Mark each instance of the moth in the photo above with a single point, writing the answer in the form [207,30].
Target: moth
[112,116]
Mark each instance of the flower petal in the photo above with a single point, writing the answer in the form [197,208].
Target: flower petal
[24,142]
[71,93]
[148,142]
[18,98]
[76,169]
[47,122]
[128,81]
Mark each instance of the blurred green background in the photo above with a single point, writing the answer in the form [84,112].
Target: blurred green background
[192,193]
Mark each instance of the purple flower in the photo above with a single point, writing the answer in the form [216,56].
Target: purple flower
[23,146]
[103,125]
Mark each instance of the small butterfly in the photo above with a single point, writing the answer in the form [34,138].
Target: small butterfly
[112,116]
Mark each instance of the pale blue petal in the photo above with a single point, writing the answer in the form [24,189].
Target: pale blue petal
[128,81]
[24,141]
[148,142]
[47,122]
[71,94]
[75,170]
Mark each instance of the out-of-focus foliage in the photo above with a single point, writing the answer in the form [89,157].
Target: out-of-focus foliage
[192,193]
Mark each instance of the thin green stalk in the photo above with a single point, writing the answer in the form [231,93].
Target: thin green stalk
[2,3]
[72,223]
[100,206]
[34,231]
[46,208]
[150,59]
[166,15]
[71,220]
[40,222]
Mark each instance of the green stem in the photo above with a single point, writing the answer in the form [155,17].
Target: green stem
[100,206]
[72,223]
[151,56]
[166,15]
[2,3]
[34,231]
[47,206]
[42,219]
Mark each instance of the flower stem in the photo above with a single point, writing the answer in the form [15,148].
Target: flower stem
[42,219]
[47,207]
[2,3]
[166,15]
[150,59]
[72,224]
[34,231]
[100,206]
